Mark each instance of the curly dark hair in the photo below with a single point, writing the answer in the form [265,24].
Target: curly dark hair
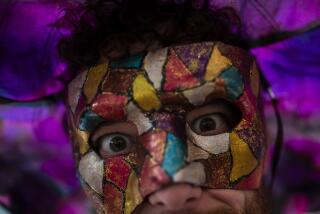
[115,28]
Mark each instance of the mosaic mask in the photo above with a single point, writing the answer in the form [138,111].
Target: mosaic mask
[182,114]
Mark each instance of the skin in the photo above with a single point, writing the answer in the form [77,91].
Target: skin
[178,197]
[186,198]
[182,198]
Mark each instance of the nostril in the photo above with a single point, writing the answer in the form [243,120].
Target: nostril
[191,199]
[160,203]
[153,179]
[179,196]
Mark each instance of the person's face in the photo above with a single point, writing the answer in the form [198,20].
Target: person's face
[161,132]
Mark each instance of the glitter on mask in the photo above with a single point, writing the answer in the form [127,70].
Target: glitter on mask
[195,153]
[214,144]
[81,107]
[255,79]
[220,87]
[240,58]
[94,77]
[74,90]
[117,171]
[254,136]
[110,106]
[91,164]
[138,118]
[136,157]
[218,169]
[119,81]
[253,180]
[132,194]
[169,122]
[155,143]
[216,64]
[204,90]
[234,82]
[244,161]
[152,177]
[82,137]
[113,199]
[248,106]
[174,98]
[177,76]
[131,158]
[95,199]
[144,94]
[155,94]
[195,57]
[175,155]
[89,121]
[153,64]
[193,173]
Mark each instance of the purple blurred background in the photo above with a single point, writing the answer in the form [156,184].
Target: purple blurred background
[36,166]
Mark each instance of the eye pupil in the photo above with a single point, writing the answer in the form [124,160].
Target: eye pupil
[207,124]
[118,144]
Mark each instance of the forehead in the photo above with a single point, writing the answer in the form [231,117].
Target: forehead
[180,75]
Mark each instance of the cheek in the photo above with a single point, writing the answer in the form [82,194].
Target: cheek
[120,189]
[117,171]
[91,171]
[213,153]
[232,160]
[218,169]
[250,129]
[248,138]
[153,177]
[95,198]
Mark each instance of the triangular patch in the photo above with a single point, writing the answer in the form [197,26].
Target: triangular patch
[94,77]
[178,77]
[244,161]
[144,94]
[132,194]
[195,57]
[216,64]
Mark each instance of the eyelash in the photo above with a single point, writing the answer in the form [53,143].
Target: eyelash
[228,116]
[129,141]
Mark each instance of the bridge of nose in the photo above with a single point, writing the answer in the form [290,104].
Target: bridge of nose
[166,153]
[170,123]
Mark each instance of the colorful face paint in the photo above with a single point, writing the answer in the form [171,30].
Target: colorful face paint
[157,93]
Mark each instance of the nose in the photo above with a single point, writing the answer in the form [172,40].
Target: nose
[176,197]
[167,157]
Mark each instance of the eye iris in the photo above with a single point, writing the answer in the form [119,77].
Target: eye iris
[118,144]
[207,124]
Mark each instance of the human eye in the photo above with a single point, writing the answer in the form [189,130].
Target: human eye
[114,139]
[114,144]
[215,118]
[210,124]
